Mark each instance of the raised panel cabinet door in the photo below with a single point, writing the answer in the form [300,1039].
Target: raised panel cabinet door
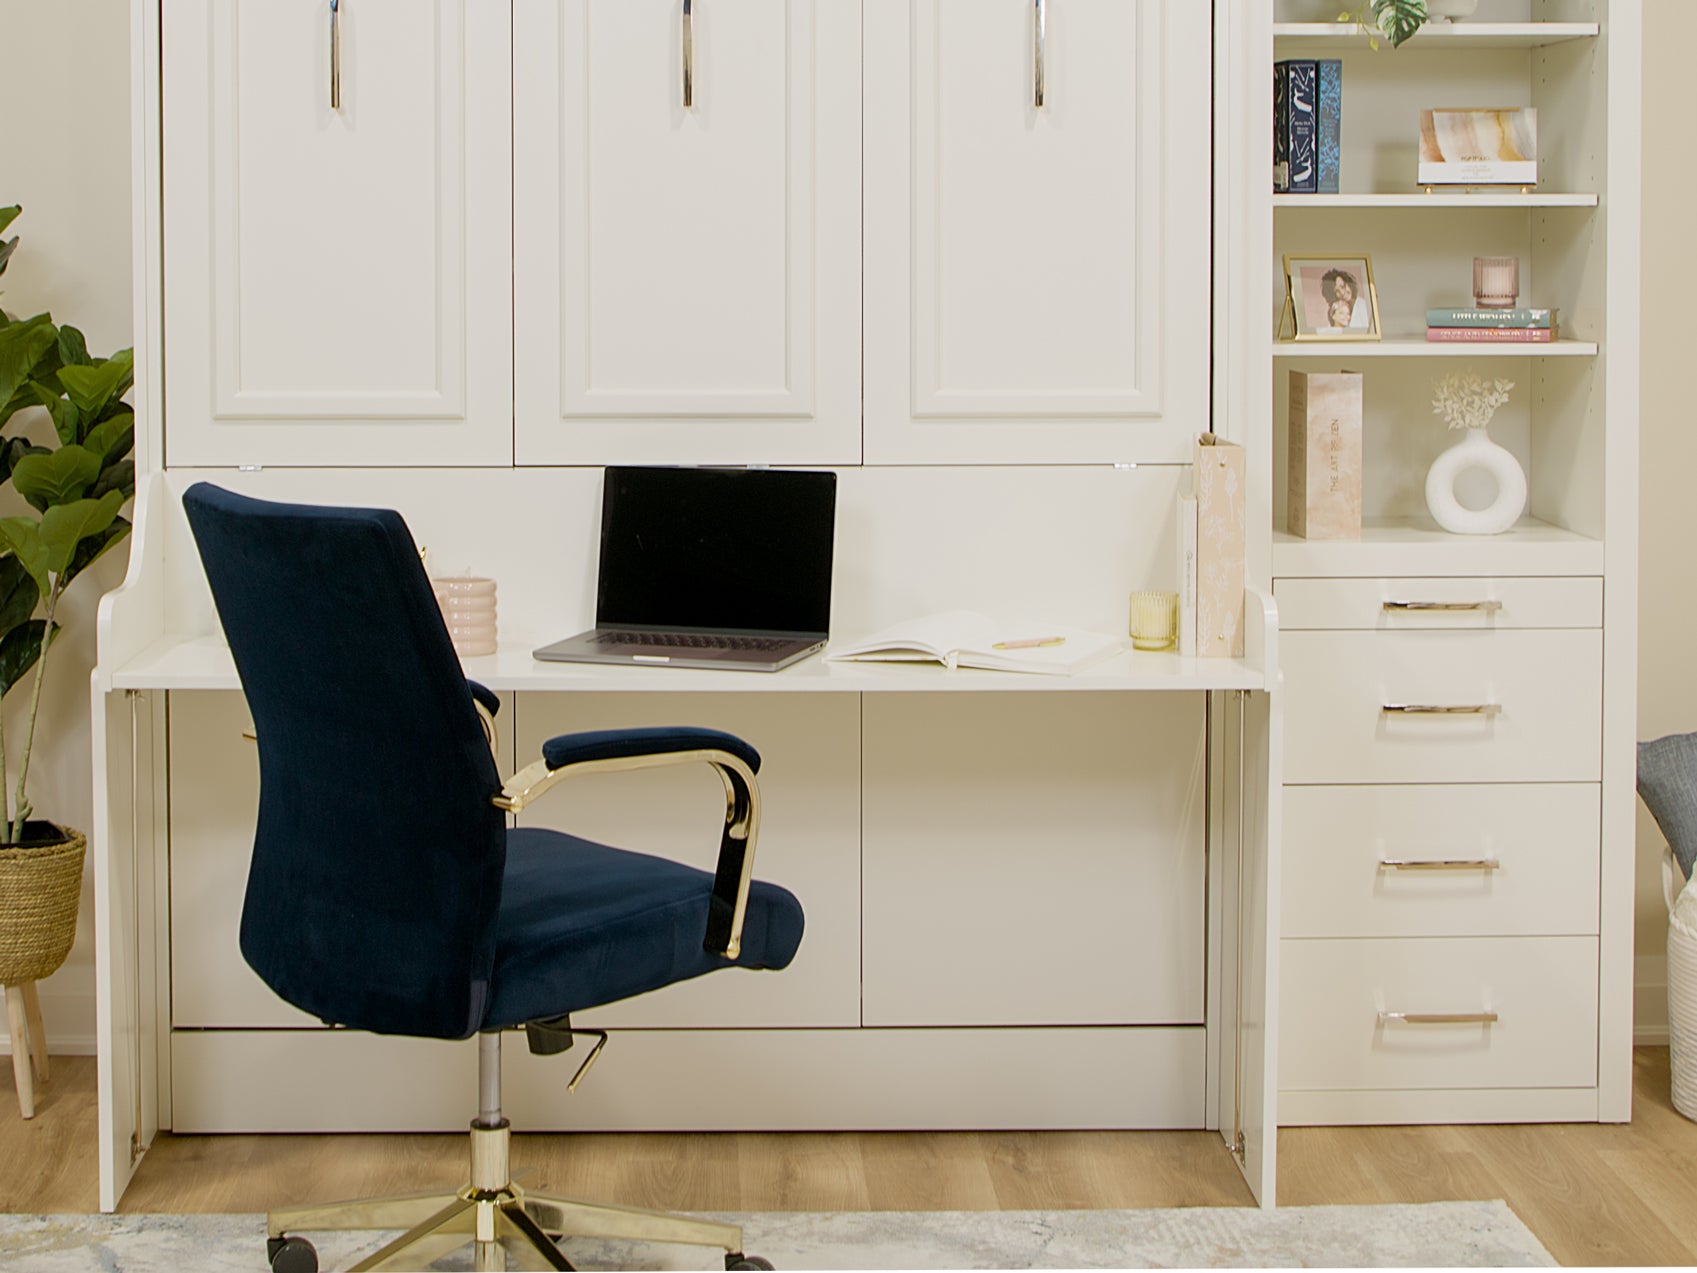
[687,231]
[340,271]
[1038,208]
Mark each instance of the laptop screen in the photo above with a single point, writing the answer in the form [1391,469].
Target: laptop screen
[742,549]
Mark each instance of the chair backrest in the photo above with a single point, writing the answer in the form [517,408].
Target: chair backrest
[377,864]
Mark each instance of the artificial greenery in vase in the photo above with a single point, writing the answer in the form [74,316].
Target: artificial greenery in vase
[74,485]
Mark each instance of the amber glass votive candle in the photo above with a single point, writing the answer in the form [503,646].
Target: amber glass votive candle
[468,608]
[1154,620]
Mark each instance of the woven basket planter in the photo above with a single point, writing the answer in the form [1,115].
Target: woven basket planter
[40,885]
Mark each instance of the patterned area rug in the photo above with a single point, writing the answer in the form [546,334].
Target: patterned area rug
[1443,1235]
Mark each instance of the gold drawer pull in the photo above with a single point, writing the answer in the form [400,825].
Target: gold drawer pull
[1450,607]
[1428,709]
[1438,1018]
[1443,864]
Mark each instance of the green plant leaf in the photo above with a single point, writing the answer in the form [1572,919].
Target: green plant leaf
[91,387]
[56,478]
[115,477]
[67,420]
[19,649]
[23,346]
[9,215]
[23,536]
[18,594]
[73,349]
[7,247]
[1399,19]
[65,526]
[113,438]
[94,548]
[14,449]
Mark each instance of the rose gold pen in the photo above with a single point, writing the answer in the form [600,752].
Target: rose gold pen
[1030,643]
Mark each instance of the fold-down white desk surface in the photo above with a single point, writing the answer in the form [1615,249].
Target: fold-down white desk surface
[204,663]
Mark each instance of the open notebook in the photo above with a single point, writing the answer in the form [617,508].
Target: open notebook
[963,638]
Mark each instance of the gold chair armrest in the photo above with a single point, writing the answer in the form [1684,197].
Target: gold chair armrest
[735,873]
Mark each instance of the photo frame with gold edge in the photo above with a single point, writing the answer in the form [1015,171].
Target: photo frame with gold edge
[1312,297]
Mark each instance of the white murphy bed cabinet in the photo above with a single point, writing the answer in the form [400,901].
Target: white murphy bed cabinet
[1030,326]
[1536,804]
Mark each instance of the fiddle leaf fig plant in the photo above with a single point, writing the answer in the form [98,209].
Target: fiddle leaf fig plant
[76,489]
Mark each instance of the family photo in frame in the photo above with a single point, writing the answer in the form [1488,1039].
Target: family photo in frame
[1330,298]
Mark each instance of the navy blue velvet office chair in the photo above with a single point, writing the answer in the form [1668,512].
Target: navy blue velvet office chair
[387,892]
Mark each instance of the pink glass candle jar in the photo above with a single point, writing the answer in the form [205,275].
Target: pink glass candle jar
[468,608]
[1496,281]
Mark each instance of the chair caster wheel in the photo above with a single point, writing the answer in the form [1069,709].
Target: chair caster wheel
[291,1255]
[737,1260]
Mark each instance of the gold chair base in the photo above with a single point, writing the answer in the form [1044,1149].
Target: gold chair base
[490,1212]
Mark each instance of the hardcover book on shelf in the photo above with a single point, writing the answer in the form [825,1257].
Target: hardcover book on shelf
[1491,335]
[1303,124]
[1329,124]
[1281,130]
[1221,475]
[1325,455]
[1479,147]
[964,638]
[1492,318]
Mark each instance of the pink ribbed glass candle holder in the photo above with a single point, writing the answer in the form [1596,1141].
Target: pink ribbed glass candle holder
[468,608]
[1496,281]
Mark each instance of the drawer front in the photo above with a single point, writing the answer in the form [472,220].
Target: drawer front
[1416,605]
[1334,1034]
[1542,692]
[1518,860]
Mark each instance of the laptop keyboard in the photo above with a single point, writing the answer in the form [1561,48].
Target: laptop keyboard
[693,640]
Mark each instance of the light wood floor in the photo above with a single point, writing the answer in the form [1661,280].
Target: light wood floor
[1593,1194]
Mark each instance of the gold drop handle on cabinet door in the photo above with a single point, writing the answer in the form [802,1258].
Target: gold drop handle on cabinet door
[1428,709]
[1440,864]
[1451,607]
[1039,34]
[689,54]
[1438,1018]
[335,55]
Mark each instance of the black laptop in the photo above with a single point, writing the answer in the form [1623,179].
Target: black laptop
[717,568]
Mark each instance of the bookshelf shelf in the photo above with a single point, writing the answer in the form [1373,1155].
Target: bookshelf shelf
[1349,349]
[1422,201]
[1418,548]
[1438,38]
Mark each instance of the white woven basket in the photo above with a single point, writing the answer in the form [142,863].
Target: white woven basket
[1682,985]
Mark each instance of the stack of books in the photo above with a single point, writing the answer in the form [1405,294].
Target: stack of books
[1491,326]
[1307,125]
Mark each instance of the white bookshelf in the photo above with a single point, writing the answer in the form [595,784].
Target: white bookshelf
[1572,423]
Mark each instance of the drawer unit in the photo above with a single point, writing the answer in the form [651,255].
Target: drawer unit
[1435,861]
[1438,1013]
[1417,605]
[1443,706]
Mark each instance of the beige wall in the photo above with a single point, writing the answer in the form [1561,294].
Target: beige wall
[1667,511]
[67,161]
[65,156]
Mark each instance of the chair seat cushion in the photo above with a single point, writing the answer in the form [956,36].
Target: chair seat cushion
[582,924]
